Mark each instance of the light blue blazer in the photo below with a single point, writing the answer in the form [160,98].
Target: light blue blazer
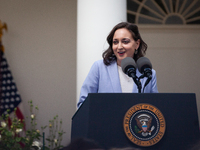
[105,79]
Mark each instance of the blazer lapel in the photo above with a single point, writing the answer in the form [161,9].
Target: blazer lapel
[114,77]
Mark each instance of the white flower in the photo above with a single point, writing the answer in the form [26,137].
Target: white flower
[18,130]
[55,140]
[32,116]
[3,124]
[37,144]
[38,131]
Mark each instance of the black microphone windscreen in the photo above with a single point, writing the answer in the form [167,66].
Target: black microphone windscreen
[127,63]
[143,63]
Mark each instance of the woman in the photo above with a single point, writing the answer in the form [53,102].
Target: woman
[106,76]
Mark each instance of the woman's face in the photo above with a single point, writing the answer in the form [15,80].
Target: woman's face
[123,44]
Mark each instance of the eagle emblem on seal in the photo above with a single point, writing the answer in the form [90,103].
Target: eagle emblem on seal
[144,124]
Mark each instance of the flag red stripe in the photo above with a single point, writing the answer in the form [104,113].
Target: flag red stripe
[20,116]
[9,122]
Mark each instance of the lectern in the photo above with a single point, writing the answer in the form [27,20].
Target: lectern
[101,118]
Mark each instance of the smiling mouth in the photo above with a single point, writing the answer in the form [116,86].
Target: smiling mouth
[121,52]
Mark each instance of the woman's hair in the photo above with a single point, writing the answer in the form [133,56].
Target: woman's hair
[108,55]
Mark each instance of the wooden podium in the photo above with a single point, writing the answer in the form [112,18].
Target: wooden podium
[101,118]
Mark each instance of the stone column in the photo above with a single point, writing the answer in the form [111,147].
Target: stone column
[95,19]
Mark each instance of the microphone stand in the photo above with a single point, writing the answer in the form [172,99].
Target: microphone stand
[139,84]
[132,73]
[147,73]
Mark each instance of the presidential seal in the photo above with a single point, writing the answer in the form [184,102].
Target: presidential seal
[144,125]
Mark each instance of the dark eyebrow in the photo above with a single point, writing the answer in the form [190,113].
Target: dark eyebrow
[115,39]
[126,39]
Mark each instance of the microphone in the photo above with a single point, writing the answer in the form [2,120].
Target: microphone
[145,67]
[129,67]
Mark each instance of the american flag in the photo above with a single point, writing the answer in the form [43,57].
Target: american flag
[9,95]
